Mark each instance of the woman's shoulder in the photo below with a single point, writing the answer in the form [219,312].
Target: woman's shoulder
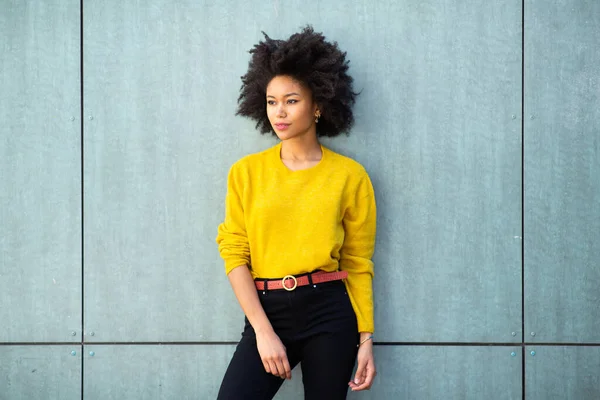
[253,159]
[346,163]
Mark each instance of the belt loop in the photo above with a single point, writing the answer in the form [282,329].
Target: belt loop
[310,282]
[266,287]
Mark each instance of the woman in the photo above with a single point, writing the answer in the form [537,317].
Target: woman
[299,229]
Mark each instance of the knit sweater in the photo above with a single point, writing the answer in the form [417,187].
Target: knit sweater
[281,222]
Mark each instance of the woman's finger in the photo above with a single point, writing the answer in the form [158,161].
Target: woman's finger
[359,378]
[287,368]
[267,367]
[281,369]
[274,369]
[368,381]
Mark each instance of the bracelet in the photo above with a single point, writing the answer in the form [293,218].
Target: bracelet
[369,338]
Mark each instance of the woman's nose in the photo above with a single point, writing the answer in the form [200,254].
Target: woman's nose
[281,111]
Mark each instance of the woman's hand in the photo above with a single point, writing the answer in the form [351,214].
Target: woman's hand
[365,373]
[273,354]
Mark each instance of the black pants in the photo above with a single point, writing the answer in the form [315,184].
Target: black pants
[317,325]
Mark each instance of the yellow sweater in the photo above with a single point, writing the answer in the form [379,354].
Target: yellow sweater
[281,222]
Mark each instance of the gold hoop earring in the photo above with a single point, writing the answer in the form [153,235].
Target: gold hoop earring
[317,116]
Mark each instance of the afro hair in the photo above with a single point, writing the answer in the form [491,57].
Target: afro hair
[307,57]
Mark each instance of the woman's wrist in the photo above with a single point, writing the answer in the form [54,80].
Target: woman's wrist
[263,327]
[365,337]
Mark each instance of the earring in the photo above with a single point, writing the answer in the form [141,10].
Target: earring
[317,116]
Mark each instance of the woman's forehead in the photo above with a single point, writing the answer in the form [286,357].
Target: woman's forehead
[284,84]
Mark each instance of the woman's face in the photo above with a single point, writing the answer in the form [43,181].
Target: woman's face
[290,108]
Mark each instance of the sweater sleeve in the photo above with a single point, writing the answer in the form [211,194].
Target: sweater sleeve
[357,250]
[232,237]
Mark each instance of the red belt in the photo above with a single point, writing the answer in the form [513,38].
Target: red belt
[291,282]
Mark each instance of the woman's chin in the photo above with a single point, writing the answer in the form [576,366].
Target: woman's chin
[283,135]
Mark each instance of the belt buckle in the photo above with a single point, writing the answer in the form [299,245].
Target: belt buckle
[292,277]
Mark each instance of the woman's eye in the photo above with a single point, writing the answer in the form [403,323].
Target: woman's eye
[292,101]
[270,102]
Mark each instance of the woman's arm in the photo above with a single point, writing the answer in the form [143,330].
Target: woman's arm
[271,349]
[232,239]
[360,220]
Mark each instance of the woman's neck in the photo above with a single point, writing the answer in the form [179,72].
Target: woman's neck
[301,149]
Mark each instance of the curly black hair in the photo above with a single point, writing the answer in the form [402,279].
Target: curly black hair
[307,57]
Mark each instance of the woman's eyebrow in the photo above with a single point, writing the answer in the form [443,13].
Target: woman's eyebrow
[287,95]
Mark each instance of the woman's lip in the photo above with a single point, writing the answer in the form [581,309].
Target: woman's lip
[281,126]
